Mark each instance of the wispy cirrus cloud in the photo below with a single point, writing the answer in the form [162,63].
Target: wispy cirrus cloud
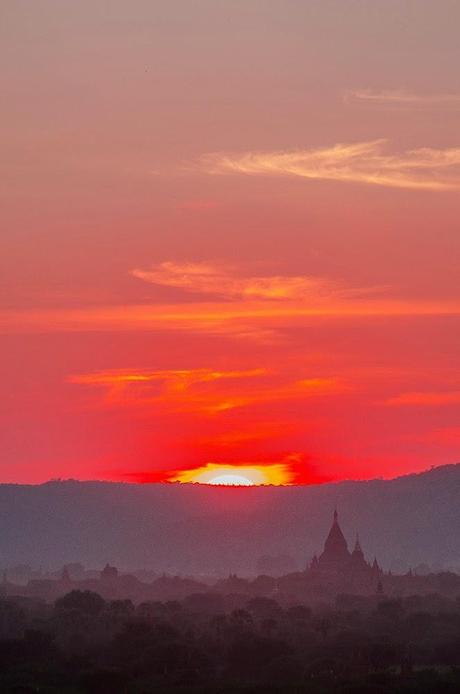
[221,280]
[400,97]
[425,399]
[181,378]
[245,319]
[203,391]
[226,303]
[425,168]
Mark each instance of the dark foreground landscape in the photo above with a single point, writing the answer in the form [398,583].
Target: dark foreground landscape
[336,619]
[229,643]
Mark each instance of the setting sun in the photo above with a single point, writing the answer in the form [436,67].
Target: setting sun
[236,475]
[231,480]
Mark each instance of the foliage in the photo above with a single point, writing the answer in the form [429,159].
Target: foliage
[86,645]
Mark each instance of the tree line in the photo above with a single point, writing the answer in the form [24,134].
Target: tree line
[85,644]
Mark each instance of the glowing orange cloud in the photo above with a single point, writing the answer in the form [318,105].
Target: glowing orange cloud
[425,168]
[235,319]
[188,390]
[425,399]
[180,379]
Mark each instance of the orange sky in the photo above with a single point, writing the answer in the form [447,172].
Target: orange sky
[229,237]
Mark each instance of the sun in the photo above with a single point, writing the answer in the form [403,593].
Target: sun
[231,480]
[242,475]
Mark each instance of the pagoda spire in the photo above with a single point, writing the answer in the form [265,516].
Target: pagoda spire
[357,555]
[335,548]
[376,568]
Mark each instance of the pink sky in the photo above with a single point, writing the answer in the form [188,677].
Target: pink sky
[229,236]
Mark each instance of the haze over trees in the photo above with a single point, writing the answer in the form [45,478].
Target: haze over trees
[85,644]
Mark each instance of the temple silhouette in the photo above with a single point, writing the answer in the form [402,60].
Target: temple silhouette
[337,572]
[337,565]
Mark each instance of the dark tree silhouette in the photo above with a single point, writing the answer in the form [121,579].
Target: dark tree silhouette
[81,600]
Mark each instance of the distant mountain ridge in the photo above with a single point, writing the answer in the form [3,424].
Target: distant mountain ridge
[201,529]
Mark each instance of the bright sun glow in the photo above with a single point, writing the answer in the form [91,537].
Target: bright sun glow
[246,475]
[235,480]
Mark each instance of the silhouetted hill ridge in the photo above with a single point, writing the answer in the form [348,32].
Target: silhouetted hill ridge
[195,528]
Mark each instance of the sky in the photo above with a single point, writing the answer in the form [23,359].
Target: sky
[229,239]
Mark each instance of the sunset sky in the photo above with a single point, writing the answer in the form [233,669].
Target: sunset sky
[230,237]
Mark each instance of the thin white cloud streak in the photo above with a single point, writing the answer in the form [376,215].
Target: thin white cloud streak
[400,98]
[424,168]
